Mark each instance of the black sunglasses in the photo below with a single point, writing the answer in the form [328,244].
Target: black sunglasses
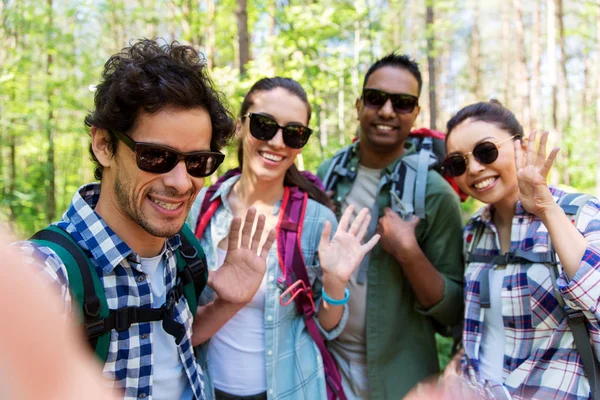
[159,159]
[485,153]
[401,102]
[263,127]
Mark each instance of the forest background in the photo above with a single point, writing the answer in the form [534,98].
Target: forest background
[540,58]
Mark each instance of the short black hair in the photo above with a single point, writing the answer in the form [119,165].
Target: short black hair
[396,60]
[149,76]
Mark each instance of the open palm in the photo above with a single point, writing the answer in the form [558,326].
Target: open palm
[241,274]
[532,174]
[341,255]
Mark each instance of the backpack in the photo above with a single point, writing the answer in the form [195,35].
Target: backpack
[90,299]
[408,198]
[571,204]
[291,261]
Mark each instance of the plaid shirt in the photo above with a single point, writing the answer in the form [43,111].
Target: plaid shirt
[540,358]
[129,364]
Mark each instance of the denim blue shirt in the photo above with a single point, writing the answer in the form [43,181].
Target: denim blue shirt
[294,364]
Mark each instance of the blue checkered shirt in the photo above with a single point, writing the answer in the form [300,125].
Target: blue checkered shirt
[540,357]
[129,364]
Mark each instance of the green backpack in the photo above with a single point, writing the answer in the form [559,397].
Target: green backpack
[88,292]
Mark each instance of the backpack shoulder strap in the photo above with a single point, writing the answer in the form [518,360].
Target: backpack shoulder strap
[209,206]
[84,283]
[338,169]
[289,251]
[191,267]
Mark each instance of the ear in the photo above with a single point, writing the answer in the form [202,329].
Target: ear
[100,146]
[238,128]
[357,104]
[417,110]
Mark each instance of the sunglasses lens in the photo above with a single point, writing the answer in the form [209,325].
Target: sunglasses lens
[374,98]
[203,165]
[486,152]
[454,166]
[155,159]
[296,136]
[262,127]
[403,104]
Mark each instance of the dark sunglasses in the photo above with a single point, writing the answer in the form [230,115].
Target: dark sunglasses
[263,127]
[158,159]
[485,153]
[401,102]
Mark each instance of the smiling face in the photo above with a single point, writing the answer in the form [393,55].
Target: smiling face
[268,160]
[383,129]
[488,183]
[158,203]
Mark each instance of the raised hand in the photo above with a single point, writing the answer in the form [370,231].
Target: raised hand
[341,255]
[238,279]
[532,173]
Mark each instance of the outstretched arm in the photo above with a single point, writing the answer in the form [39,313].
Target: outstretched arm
[238,279]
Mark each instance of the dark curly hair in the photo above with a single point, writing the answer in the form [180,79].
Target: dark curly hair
[150,76]
[396,60]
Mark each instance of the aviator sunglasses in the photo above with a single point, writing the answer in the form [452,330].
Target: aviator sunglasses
[159,159]
[485,153]
[401,102]
[263,127]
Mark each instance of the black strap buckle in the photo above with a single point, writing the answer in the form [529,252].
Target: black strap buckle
[92,306]
[94,329]
[124,318]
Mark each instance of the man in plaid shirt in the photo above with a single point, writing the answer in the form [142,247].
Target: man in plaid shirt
[155,130]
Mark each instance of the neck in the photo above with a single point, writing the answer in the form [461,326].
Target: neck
[250,190]
[505,211]
[371,157]
[136,237]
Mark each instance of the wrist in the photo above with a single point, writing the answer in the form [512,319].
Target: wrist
[333,285]
[406,253]
[550,213]
[336,301]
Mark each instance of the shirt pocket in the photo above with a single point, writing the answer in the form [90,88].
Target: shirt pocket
[546,312]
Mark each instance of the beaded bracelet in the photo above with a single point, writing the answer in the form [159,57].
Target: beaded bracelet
[337,302]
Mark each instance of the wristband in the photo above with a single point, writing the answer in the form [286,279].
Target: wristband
[333,302]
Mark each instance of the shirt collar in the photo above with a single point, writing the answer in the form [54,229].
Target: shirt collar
[108,249]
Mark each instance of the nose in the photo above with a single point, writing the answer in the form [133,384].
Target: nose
[178,178]
[387,110]
[473,166]
[277,140]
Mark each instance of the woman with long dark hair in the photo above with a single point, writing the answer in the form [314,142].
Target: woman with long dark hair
[264,348]
[532,277]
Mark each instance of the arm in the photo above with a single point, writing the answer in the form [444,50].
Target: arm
[433,265]
[339,258]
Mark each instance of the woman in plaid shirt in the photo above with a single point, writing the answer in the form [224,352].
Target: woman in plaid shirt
[517,339]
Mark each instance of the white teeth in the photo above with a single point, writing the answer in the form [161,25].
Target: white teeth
[383,127]
[166,206]
[271,157]
[483,184]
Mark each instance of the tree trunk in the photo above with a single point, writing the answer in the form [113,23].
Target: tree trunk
[51,167]
[431,60]
[536,61]
[555,134]
[211,37]
[522,87]
[563,94]
[507,58]
[243,35]
[341,111]
[476,56]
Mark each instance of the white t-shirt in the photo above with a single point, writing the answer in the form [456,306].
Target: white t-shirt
[237,351]
[169,378]
[491,358]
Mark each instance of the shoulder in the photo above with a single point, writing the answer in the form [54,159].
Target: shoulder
[325,165]
[192,217]
[315,216]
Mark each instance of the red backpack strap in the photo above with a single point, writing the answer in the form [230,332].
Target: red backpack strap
[291,260]
[209,207]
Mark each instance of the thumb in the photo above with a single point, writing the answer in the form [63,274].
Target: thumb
[414,221]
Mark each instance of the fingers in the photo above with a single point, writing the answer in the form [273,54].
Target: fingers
[234,234]
[361,219]
[541,153]
[518,154]
[325,234]
[260,226]
[268,243]
[549,161]
[371,243]
[247,229]
[531,148]
[363,228]
[345,220]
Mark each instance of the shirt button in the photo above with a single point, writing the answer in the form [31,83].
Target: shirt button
[509,287]
[270,352]
[141,279]
[339,198]
[271,278]
[142,396]
[521,220]
[270,391]
[511,325]
[269,318]
[145,336]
